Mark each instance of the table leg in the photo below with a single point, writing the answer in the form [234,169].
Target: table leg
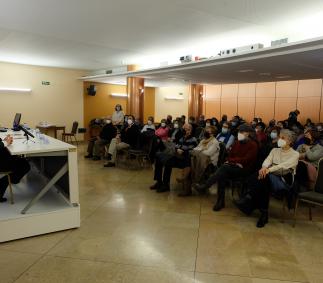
[48,186]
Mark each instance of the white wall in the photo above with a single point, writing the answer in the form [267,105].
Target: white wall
[60,103]
[175,108]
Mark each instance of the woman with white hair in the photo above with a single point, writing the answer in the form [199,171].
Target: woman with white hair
[276,175]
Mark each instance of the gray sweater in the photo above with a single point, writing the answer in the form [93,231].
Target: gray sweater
[312,153]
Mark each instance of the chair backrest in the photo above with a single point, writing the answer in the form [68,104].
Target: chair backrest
[74,127]
[319,179]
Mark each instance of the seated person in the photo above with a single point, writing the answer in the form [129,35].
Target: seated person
[108,132]
[162,131]
[17,165]
[270,144]
[309,154]
[176,133]
[149,126]
[180,159]
[201,121]
[277,175]
[169,121]
[225,136]
[260,134]
[207,152]
[240,163]
[128,138]
[191,120]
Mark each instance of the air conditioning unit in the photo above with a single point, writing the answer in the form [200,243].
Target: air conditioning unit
[242,49]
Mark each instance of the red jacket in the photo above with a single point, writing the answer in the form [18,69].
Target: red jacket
[244,153]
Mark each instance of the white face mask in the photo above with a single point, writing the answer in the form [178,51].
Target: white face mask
[149,122]
[108,121]
[175,126]
[207,124]
[130,122]
[281,143]
[163,125]
[241,137]
[224,130]
[273,135]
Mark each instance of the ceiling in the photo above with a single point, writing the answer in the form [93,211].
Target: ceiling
[303,60]
[100,34]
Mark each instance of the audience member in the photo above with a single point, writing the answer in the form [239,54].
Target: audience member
[276,175]
[128,138]
[149,126]
[108,132]
[180,159]
[240,163]
[225,135]
[163,131]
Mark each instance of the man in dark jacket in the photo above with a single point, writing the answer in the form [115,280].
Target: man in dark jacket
[10,163]
[129,138]
[240,163]
[108,132]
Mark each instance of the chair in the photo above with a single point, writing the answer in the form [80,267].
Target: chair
[7,173]
[71,134]
[314,197]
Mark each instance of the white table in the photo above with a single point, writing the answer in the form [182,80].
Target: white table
[47,199]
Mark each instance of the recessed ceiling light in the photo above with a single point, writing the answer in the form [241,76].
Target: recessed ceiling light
[264,74]
[245,71]
[283,77]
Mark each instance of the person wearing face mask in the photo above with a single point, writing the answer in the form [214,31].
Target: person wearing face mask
[260,134]
[276,176]
[118,116]
[149,126]
[309,154]
[225,135]
[176,133]
[224,119]
[169,121]
[162,131]
[240,163]
[206,153]
[108,132]
[202,121]
[128,138]
[180,159]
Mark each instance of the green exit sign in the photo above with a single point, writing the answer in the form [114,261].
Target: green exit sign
[45,83]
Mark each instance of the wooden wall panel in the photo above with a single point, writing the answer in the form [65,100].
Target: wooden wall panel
[287,89]
[309,108]
[309,99]
[265,90]
[283,106]
[229,100]
[247,101]
[265,108]
[212,101]
[149,105]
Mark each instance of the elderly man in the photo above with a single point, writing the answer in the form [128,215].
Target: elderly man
[241,161]
[10,163]
[180,159]
[108,132]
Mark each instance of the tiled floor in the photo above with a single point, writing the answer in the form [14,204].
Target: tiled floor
[131,234]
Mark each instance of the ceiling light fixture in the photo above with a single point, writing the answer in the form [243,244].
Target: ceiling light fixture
[10,89]
[173,98]
[245,71]
[119,94]
[283,77]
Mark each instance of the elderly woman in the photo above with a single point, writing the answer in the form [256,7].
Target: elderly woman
[163,131]
[118,116]
[225,136]
[149,126]
[277,175]
[309,154]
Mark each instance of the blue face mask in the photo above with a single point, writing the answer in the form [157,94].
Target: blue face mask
[234,124]
[273,135]
[225,130]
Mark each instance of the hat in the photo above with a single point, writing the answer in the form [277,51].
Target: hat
[246,128]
